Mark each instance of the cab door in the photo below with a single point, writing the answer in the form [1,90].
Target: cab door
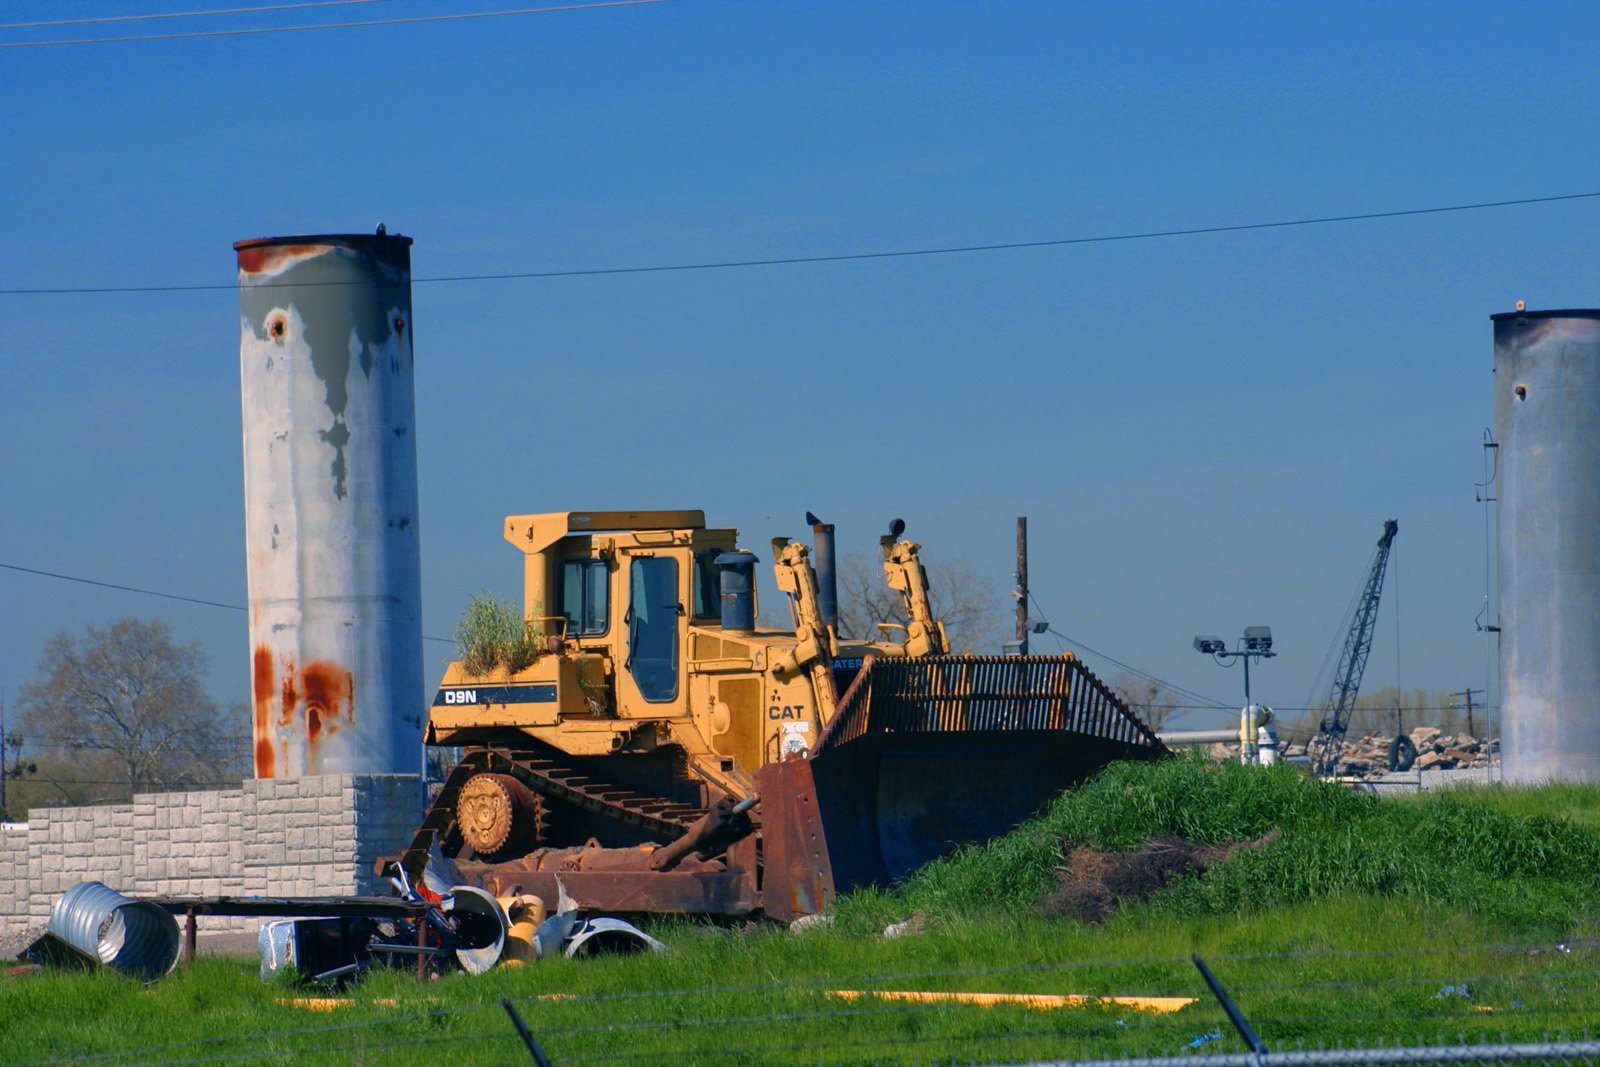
[654,628]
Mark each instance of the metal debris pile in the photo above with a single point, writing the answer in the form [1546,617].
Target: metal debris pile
[438,927]
[458,928]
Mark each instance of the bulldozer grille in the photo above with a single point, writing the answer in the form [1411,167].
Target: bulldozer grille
[958,694]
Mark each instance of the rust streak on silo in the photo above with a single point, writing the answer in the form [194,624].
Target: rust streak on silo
[258,258]
[261,679]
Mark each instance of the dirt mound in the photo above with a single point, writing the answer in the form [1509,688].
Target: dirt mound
[1092,884]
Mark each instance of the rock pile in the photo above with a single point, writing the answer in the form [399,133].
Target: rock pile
[1368,756]
[1436,751]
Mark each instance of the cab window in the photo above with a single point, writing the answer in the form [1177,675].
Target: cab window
[585,600]
[652,620]
[707,585]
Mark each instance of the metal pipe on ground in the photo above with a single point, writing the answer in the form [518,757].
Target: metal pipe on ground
[133,937]
[1196,737]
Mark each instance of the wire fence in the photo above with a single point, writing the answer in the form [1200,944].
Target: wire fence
[1452,1004]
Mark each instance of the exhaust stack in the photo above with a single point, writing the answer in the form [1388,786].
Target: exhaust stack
[822,560]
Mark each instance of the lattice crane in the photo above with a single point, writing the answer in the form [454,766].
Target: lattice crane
[1328,745]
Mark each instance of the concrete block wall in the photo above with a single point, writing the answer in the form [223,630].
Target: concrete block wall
[314,836]
[13,870]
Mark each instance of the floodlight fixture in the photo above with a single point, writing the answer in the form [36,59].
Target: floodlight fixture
[1256,644]
[1258,638]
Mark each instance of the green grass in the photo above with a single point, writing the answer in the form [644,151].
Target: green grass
[1347,927]
[1519,863]
[1575,803]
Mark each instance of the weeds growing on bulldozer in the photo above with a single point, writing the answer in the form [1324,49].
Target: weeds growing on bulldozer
[493,637]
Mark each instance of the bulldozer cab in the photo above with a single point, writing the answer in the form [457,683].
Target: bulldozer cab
[623,586]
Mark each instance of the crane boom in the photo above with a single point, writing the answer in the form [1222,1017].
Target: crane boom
[1328,745]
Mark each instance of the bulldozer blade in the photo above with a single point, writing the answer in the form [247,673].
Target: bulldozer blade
[928,754]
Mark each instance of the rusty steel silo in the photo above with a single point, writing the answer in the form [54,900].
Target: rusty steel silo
[330,477]
[1547,421]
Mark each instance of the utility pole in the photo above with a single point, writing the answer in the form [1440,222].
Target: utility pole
[7,814]
[1468,706]
[1022,585]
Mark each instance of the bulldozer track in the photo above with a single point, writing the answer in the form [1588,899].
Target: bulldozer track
[555,780]
[563,783]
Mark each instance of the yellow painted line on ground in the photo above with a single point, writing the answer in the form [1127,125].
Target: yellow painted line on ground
[332,1003]
[1040,1001]
[335,1003]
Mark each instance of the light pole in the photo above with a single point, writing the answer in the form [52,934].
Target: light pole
[1255,644]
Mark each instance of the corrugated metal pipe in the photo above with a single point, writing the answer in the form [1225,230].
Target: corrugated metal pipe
[132,937]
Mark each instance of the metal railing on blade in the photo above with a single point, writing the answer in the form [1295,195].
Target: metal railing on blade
[984,693]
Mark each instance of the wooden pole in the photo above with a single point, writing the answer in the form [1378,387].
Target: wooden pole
[1022,584]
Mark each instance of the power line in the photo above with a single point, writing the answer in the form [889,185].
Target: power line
[1206,702]
[150,592]
[123,588]
[37,778]
[1323,707]
[844,257]
[183,14]
[1146,675]
[331,25]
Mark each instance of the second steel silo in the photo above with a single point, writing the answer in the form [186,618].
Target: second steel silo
[330,472]
[1547,422]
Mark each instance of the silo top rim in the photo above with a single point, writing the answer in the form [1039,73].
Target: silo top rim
[349,240]
[1572,313]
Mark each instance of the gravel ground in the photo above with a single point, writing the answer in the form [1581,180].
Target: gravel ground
[1415,781]
[11,946]
[218,944]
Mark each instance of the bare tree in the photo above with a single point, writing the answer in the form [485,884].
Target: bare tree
[124,709]
[1146,698]
[973,610]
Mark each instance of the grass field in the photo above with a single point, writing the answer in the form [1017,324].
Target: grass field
[1471,914]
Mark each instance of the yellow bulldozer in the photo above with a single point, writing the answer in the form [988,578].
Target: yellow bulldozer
[663,752]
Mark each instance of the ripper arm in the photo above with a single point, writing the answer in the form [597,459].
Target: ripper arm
[903,570]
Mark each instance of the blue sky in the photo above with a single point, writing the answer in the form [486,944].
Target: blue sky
[1205,432]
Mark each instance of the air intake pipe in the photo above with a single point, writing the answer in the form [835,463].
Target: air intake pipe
[738,590]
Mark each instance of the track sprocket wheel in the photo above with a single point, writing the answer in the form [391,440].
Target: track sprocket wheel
[496,813]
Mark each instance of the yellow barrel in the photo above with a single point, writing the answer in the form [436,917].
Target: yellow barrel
[526,912]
